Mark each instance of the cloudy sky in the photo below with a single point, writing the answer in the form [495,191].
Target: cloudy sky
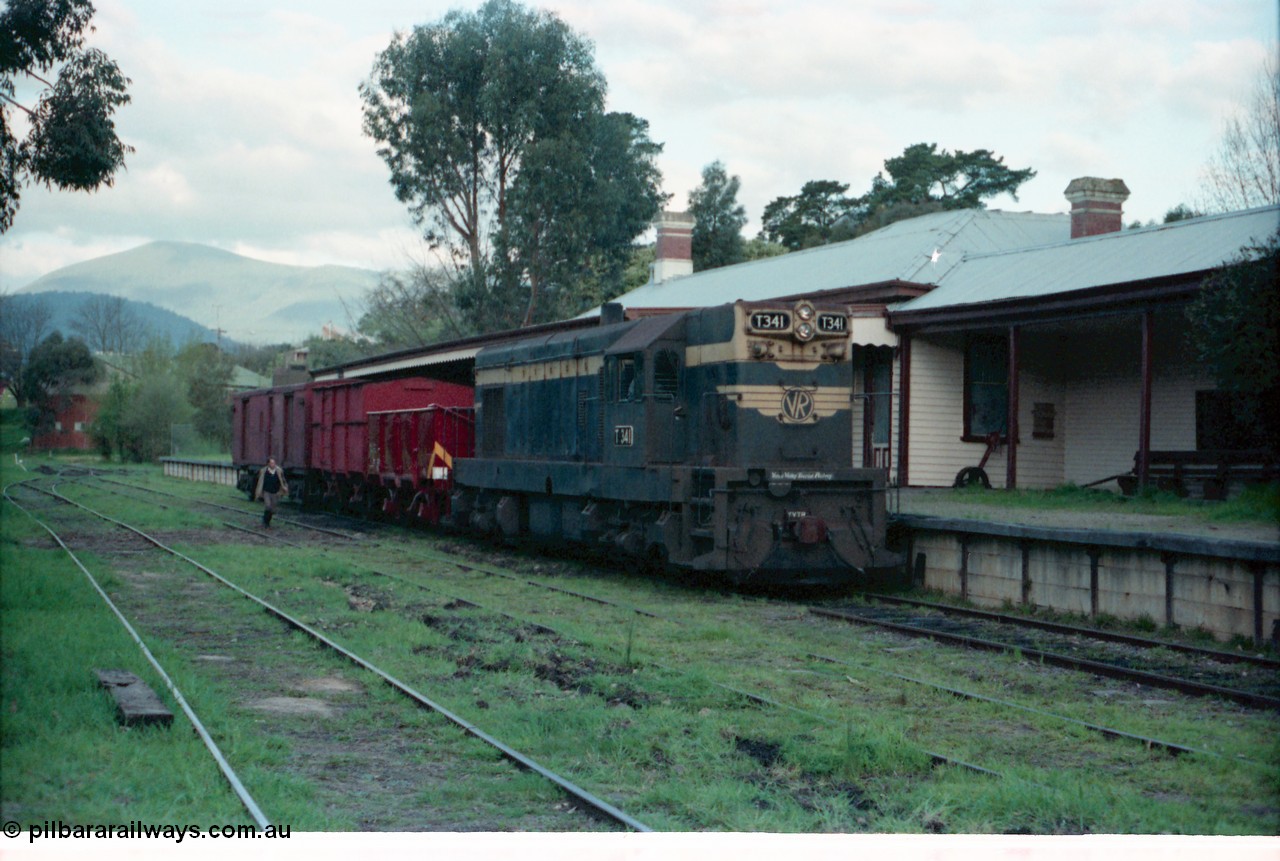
[246,117]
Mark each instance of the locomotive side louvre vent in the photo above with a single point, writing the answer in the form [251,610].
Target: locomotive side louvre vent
[495,420]
[600,380]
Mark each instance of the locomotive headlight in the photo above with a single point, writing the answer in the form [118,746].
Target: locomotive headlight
[804,331]
[804,311]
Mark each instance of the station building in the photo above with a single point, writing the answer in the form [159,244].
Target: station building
[1048,349]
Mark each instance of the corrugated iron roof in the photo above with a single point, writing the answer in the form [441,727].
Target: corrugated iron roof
[920,250]
[243,378]
[1183,247]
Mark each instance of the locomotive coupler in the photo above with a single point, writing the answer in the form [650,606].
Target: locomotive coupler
[802,527]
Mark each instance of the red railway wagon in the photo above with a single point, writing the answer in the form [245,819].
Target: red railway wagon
[338,445]
[270,423]
[365,459]
[411,459]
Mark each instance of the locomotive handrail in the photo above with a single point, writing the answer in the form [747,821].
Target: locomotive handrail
[465,413]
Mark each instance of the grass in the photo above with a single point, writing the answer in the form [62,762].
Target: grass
[635,708]
[1256,503]
[58,731]
[687,730]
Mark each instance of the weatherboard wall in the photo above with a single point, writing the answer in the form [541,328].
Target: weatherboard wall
[937,451]
[1084,378]
[1103,386]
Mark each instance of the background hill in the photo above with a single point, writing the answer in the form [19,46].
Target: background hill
[64,307]
[252,301]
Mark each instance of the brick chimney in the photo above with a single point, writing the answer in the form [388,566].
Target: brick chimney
[1096,205]
[674,257]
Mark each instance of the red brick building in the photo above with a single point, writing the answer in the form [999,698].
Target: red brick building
[72,422]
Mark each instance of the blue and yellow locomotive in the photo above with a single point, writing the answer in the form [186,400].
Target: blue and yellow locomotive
[714,440]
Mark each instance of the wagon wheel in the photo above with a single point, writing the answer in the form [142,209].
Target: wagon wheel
[972,476]
[655,561]
[333,498]
[366,505]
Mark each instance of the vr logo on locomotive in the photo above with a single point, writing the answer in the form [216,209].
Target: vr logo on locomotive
[797,406]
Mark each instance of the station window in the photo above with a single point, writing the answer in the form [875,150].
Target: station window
[986,386]
[879,383]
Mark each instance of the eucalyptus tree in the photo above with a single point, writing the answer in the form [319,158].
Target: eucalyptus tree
[108,324]
[922,180]
[959,180]
[1244,172]
[411,308]
[718,219]
[1235,336]
[71,140]
[493,126]
[24,323]
[822,212]
[577,205]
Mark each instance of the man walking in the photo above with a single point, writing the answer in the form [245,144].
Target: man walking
[271,484]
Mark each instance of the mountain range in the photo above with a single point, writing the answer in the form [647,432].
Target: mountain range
[65,309]
[251,301]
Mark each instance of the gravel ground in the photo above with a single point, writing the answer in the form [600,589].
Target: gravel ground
[943,503]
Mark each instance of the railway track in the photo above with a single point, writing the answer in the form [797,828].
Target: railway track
[1219,655]
[470,566]
[362,535]
[801,683]
[1072,632]
[492,571]
[1253,681]
[250,804]
[581,799]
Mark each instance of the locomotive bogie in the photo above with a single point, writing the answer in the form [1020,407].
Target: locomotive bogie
[785,527]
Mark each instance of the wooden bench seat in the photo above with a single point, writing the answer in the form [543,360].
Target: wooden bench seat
[1210,471]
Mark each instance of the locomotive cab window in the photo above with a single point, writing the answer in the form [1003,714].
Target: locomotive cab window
[666,374]
[630,377]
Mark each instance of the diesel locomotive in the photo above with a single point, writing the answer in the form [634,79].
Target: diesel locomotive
[714,440]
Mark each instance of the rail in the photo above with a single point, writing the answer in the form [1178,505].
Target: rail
[581,795]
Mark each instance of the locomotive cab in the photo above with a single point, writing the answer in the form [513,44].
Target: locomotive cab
[645,415]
